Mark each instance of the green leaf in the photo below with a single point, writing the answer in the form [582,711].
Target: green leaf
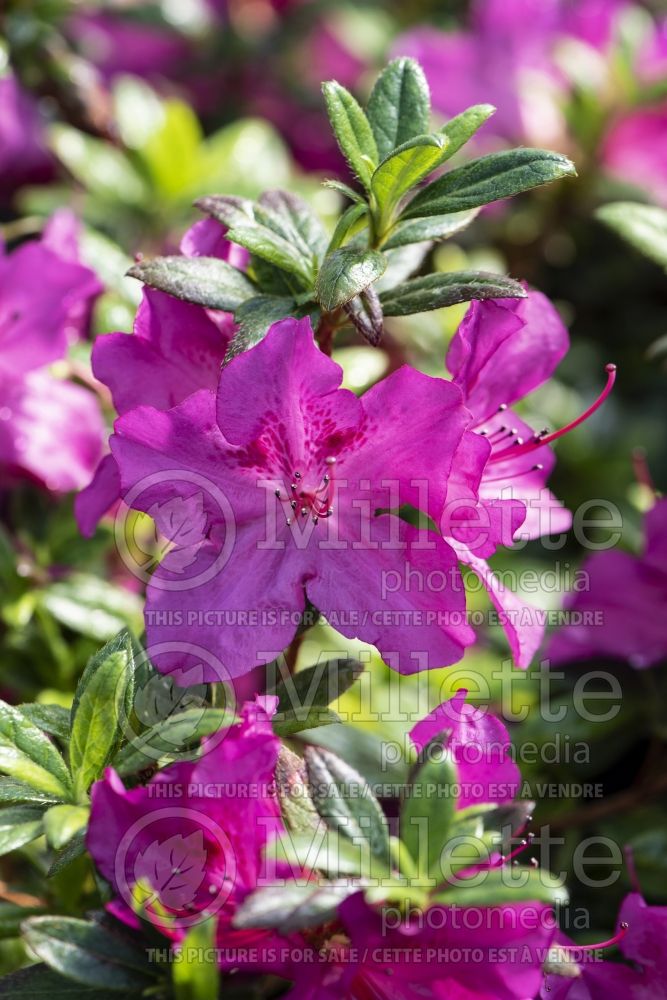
[488,179]
[18,793]
[62,822]
[345,273]
[319,849]
[74,849]
[428,810]
[253,320]
[345,190]
[265,243]
[103,699]
[301,218]
[346,803]
[100,166]
[91,606]
[292,906]
[291,722]
[402,170]
[206,281]
[433,227]
[11,917]
[29,756]
[643,226]
[316,686]
[400,105]
[352,130]
[509,884]
[296,806]
[51,719]
[18,826]
[433,291]
[195,975]
[227,209]
[461,128]
[38,982]
[89,953]
[348,224]
[170,737]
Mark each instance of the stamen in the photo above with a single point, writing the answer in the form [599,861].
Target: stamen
[524,449]
[623,930]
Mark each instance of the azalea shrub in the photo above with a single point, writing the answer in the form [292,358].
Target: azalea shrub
[333,552]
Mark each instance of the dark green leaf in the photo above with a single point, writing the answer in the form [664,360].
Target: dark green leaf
[89,953]
[509,884]
[28,755]
[345,273]
[434,291]
[291,722]
[402,170]
[316,686]
[18,826]
[206,281]
[349,223]
[292,906]
[400,105]
[318,850]
[170,737]
[253,320]
[643,226]
[265,243]
[346,803]
[227,209]
[427,811]
[301,218]
[461,128]
[69,853]
[19,793]
[38,982]
[345,190]
[103,700]
[352,130]
[11,917]
[488,179]
[433,227]
[51,719]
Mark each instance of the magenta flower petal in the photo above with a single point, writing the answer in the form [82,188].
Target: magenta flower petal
[504,349]
[92,503]
[174,351]
[617,614]
[50,430]
[480,747]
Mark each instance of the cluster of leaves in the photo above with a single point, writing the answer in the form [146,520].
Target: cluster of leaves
[361,272]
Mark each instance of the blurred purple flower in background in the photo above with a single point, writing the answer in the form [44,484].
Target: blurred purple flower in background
[51,430]
[624,603]
[24,158]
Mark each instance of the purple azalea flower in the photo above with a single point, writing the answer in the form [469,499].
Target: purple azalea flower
[289,482]
[429,958]
[480,747]
[50,430]
[504,58]
[635,150]
[115,45]
[641,932]
[502,351]
[188,845]
[175,349]
[622,603]
[24,158]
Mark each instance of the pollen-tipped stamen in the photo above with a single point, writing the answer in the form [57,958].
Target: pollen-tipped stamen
[539,439]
